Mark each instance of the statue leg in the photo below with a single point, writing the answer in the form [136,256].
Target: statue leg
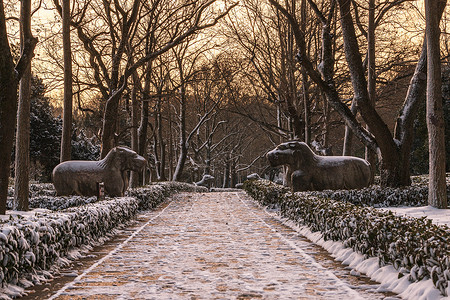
[287,176]
[300,181]
[76,188]
[125,182]
[114,185]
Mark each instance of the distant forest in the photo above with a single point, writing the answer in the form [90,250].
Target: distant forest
[209,86]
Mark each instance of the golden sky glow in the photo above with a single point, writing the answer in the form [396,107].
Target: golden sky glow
[407,27]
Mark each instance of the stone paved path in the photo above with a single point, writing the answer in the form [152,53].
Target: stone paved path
[209,246]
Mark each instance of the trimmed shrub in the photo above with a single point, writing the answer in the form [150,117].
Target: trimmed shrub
[414,246]
[31,245]
[376,196]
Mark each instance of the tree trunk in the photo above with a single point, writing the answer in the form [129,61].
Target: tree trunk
[226,174]
[143,126]
[142,132]
[183,147]
[388,150]
[233,175]
[280,121]
[437,190]
[371,78]
[287,91]
[291,87]
[66,139]
[171,158]
[208,157]
[180,163]
[155,146]
[110,119]
[9,78]
[8,109]
[305,84]
[306,108]
[134,176]
[326,65]
[326,122]
[347,149]
[162,144]
[22,160]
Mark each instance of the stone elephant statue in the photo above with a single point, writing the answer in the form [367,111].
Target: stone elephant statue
[206,181]
[78,177]
[307,171]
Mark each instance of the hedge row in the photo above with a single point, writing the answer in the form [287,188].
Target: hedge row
[376,196]
[152,195]
[35,243]
[43,195]
[414,246]
[30,245]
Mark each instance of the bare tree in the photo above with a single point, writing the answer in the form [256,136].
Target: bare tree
[371,76]
[305,81]
[268,46]
[393,152]
[10,75]
[142,131]
[160,98]
[66,137]
[269,67]
[181,21]
[208,86]
[437,188]
[135,117]
[187,63]
[22,158]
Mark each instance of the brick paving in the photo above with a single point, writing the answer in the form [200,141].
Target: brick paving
[210,246]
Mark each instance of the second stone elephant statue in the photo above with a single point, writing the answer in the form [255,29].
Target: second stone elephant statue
[307,171]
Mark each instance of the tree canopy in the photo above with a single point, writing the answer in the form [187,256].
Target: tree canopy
[208,87]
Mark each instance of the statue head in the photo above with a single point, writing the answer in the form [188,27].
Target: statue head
[290,153]
[128,159]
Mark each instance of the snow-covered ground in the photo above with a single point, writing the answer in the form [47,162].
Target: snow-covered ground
[387,275]
[437,216]
[211,245]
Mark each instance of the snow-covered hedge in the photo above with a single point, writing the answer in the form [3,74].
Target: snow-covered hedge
[376,196]
[414,246]
[152,195]
[43,195]
[30,244]
[34,243]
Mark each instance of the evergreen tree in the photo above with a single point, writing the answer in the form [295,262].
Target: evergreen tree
[45,131]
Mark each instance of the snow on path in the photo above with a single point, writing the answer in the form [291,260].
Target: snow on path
[206,246]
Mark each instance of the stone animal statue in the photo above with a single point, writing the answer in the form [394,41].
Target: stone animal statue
[78,177]
[253,176]
[206,180]
[307,171]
